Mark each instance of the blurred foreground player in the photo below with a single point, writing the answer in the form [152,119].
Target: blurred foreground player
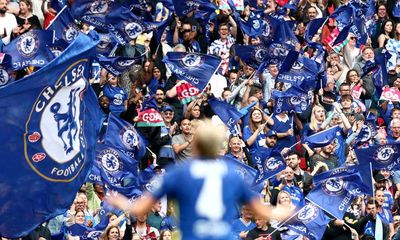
[206,188]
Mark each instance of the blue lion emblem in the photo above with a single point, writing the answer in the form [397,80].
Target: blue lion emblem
[273,163]
[111,162]
[308,213]
[66,121]
[99,7]
[191,60]
[133,29]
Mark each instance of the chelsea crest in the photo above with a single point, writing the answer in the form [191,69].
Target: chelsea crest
[54,138]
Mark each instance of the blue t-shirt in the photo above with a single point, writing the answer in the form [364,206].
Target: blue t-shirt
[259,142]
[207,191]
[117,96]
[296,195]
[283,127]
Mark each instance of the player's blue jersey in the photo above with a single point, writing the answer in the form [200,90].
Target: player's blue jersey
[207,191]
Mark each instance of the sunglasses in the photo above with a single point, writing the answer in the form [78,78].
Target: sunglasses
[352,38]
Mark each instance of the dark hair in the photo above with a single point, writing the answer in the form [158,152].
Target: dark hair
[391,35]
[348,75]
[346,97]
[294,153]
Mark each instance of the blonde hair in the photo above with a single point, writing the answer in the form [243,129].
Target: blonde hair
[208,140]
[313,122]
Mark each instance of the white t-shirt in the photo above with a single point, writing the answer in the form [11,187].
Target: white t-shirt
[8,22]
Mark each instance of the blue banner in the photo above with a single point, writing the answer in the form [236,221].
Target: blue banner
[343,16]
[83,232]
[118,65]
[64,26]
[94,12]
[381,156]
[5,69]
[117,169]
[269,163]
[335,190]
[106,45]
[125,26]
[294,99]
[298,70]
[123,136]
[312,28]
[323,138]
[196,68]
[255,25]
[311,222]
[252,55]
[30,49]
[47,140]
[183,7]
[226,112]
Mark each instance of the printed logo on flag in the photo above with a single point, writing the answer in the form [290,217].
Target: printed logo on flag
[133,29]
[279,50]
[125,63]
[192,60]
[109,160]
[70,32]
[267,28]
[367,133]
[272,163]
[4,77]
[105,41]
[129,137]
[260,53]
[99,7]
[54,128]
[333,187]
[28,44]
[385,154]
[297,65]
[256,24]
[308,214]
[153,184]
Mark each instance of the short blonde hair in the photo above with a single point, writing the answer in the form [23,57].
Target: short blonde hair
[208,140]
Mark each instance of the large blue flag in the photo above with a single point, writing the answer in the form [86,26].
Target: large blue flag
[342,35]
[58,4]
[255,25]
[196,68]
[83,232]
[30,49]
[252,55]
[123,136]
[294,99]
[269,163]
[226,112]
[272,29]
[117,169]
[312,28]
[125,26]
[94,12]
[380,156]
[106,45]
[183,7]
[396,9]
[118,65]
[5,69]
[311,222]
[64,26]
[298,70]
[334,192]
[368,131]
[343,16]
[47,140]
[323,138]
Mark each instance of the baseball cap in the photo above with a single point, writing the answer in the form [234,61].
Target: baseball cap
[167,108]
[271,133]
[379,177]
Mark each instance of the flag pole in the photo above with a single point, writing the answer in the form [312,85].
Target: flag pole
[284,222]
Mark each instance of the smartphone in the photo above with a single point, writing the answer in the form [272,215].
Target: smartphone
[194,28]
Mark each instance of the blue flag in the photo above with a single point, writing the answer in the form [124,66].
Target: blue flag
[252,55]
[294,99]
[335,194]
[55,49]
[106,45]
[323,138]
[64,26]
[94,12]
[298,70]
[343,16]
[196,68]
[95,175]
[30,49]
[312,28]
[311,222]
[271,29]
[381,74]
[342,35]
[368,131]
[118,65]
[105,210]
[83,232]
[269,163]
[381,156]
[396,9]
[226,112]
[5,69]
[255,25]
[123,136]
[125,26]
[47,145]
[117,169]
[183,7]
[58,4]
